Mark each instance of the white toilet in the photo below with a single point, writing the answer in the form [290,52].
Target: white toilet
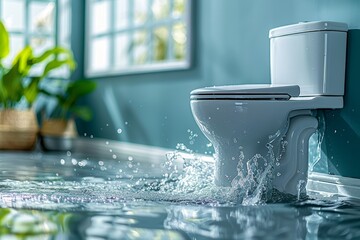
[272,124]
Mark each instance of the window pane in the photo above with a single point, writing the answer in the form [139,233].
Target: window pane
[42,17]
[122,14]
[160,9]
[122,49]
[17,43]
[160,46]
[179,8]
[179,39]
[141,49]
[141,8]
[100,17]
[13,12]
[41,44]
[100,54]
[64,23]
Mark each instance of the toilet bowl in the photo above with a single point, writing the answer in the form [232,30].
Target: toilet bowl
[262,125]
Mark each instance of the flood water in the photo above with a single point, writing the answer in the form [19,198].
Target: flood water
[74,196]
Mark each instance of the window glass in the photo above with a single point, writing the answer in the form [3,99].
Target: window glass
[133,36]
[14,20]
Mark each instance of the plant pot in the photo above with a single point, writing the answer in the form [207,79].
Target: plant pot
[18,129]
[58,134]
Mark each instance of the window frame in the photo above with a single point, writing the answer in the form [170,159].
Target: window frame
[137,69]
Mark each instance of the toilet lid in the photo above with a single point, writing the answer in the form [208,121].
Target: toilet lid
[248,91]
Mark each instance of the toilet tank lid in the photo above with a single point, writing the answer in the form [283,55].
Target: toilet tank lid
[250,89]
[303,27]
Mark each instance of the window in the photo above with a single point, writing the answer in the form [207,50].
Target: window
[41,24]
[130,36]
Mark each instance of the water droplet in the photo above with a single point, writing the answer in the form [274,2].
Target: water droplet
[74,161]
[209,145]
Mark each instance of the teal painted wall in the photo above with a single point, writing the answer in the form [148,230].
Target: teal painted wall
[231,46]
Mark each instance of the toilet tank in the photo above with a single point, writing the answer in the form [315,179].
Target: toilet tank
[311,55]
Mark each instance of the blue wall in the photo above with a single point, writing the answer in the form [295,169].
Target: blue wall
[231,46]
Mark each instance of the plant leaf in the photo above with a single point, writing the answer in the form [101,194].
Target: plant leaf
[32,90]
[22,60]
[55,63]
[82,112]
[80,88]
[12,85]
[4,41]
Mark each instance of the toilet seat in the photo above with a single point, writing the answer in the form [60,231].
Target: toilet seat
[247,92]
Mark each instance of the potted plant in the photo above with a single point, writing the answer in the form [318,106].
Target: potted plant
[18,126]
[59,130]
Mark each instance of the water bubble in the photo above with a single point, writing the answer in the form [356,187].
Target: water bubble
[101,163]
[209,145]
[119,131]
[85,134]
[107,124]
[120,170]
[62,161]
[278,174]
[74,161]
[91,136]
[126,123]
[130,158]
[114,156]
[68,153]
[107,142]
[110,150]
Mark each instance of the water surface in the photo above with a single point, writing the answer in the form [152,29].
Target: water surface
[74,196]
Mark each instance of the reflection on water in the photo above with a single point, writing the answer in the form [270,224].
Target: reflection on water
[301,220]
[79,197]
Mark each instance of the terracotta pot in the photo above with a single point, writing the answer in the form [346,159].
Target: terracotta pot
[58,134]
[18,129]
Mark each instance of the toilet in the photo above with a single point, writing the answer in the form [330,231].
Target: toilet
[262,125]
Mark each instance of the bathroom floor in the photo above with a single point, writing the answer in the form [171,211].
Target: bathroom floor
[78,196]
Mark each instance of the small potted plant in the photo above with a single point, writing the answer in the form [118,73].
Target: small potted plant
[18,126]
[59,130]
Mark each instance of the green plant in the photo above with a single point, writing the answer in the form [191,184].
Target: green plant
[15,82]
[67,101]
